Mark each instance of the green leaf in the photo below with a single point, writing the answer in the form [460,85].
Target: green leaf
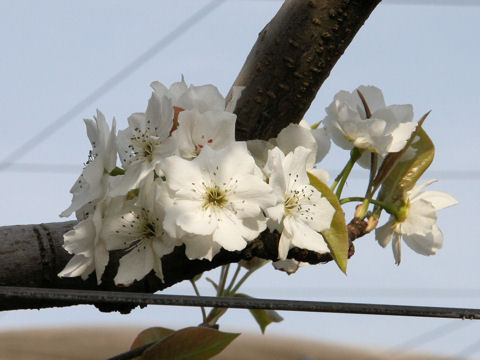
[337,236]
[117,171]
[261,316]
[150,335]
[406,172]
[195,343]
[392,159]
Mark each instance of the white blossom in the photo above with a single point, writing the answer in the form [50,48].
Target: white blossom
[196,130]
[418,228]
[300,212]
[386,130]
[201,98]
[145,142]
[295,135]
[92,184]
[217,196]
[137,228]
[84,242]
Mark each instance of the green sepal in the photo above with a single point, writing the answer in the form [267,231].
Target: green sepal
[336,236]
[406,172]
[392,159]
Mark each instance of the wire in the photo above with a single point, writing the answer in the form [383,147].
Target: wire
[50,129]
[356,174]
[43,168]
[427,337]
[10,295]
[470,350]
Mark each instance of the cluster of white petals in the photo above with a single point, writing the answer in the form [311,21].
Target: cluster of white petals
[183,180]
[418,228]
[386,129]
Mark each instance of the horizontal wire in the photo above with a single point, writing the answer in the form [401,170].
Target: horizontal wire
[125,72]
[426,337]
[356,174]
[92,296]
[364,292]
[470,350]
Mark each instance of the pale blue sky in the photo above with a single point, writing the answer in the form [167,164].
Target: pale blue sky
[55,53]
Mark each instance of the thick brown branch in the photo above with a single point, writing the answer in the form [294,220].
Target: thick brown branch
[294,54]
[292,57]
[42,258]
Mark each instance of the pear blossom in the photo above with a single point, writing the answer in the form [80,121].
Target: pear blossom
[196,130]
[316,140]
[136,227]
[84,242]
[92,184]
[386,130]
[418,228]
[291,137]
[145,142]
[300,212]
[218,196]
[201,98]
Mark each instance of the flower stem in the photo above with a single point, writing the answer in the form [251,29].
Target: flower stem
[342,177]
[242,280]
[223,279]
[232,281]
[195,288]
[390,208]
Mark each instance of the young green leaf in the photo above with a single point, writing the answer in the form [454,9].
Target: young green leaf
[393,158]
[408,169]
[195,343]
[149,336]
[337,236]
[261,316]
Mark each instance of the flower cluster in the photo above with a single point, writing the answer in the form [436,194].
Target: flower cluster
[185,181]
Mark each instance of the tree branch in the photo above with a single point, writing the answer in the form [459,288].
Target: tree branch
[292,57]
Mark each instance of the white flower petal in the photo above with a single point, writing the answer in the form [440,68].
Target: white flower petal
[397,248]
[304,237]
[200,247]
[134,265]
[236,92]
[425,244]
[421,218]
[284,244]
[294,136]
[439,199]
[78,265]
[228,236]
[384,233]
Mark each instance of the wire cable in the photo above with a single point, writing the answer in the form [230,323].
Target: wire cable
[130,68]
[426,337]
[11,294]
[470,350]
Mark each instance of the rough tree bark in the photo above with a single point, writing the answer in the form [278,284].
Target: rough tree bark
[292,57]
